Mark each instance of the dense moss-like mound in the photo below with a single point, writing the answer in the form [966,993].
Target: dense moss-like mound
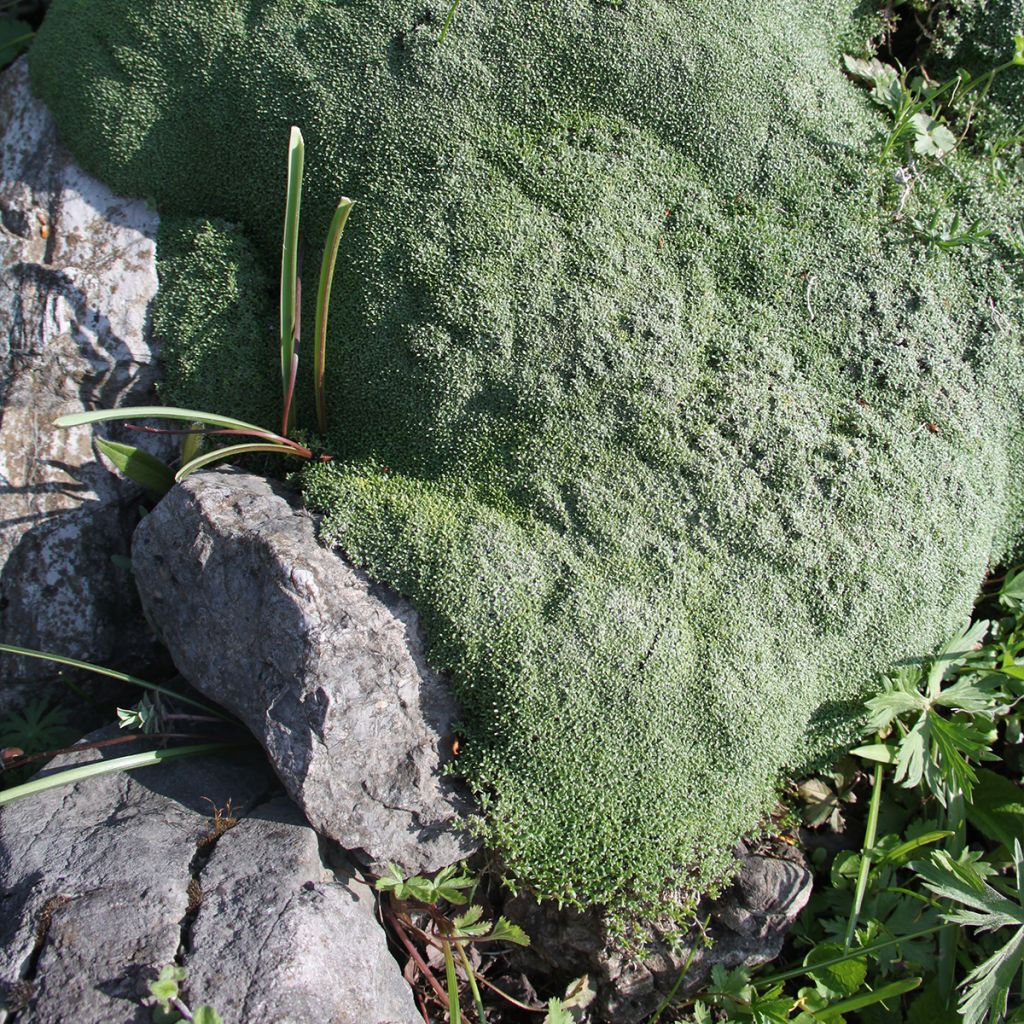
[673,435]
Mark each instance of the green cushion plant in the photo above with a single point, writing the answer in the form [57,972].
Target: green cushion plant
[639,384]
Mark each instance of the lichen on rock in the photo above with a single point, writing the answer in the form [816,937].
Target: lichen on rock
[673,437]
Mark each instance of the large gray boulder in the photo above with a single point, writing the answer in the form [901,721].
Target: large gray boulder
[104,883]
[77,277]
[325,668]
[747,925]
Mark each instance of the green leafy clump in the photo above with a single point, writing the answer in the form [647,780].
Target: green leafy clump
[972,34]
[675,439]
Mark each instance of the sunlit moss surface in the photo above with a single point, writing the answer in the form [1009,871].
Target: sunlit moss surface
[675,437]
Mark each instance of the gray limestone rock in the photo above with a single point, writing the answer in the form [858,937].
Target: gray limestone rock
[326,668]
[77,276]
[748,925]
[105,882]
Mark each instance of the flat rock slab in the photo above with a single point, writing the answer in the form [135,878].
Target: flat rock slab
[105,882]
[77,277]
[324,667]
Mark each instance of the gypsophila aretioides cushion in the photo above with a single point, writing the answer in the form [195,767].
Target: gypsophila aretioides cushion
[640,384]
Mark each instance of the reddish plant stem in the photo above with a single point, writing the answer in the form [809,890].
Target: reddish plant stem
[399,930]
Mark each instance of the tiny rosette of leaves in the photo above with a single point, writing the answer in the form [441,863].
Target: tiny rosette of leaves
[987,986]
[165,988]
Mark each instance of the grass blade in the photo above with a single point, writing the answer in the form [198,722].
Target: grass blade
[97,768]
[448,21]
[226,453]
[113,674]
[454,1010]
[145,469]
[323,303]
[290,258]
[865,857]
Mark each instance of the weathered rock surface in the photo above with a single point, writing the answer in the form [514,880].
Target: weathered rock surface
[748,926]
[77,276]
[105,882]
[325,668]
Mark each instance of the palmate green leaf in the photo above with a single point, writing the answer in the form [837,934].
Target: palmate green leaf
[987,987]
[954,654]
[37,728]
[138,465]
[912,755]
[971,693]
[956,881]
[931,137]
[952,742]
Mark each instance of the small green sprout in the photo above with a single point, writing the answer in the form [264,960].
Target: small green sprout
[169,1008]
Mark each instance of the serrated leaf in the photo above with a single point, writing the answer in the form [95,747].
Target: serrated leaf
[884,708]
[506,931]
[987,987]
[912,755]
[557,1013]
[470,917]
[954,654]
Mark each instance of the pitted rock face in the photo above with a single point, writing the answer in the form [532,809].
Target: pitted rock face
[325,668]
[104,883]
[77,278]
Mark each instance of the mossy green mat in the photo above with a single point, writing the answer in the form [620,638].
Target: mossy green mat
[672,434]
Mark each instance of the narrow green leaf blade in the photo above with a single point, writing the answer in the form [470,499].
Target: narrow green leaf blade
[454,1010]
[138,465]
[98,768]
[884,753]
[323,303]
[158,412]
[290,254]
[890,991]
[113,674]
[219,454]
